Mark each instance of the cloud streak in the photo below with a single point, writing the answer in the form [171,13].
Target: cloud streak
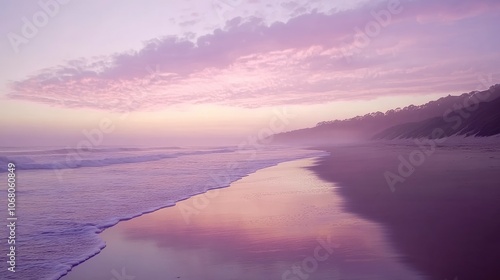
[429,47]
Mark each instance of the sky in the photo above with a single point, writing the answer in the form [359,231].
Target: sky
[216,71]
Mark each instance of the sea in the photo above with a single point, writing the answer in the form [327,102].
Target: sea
[66,197]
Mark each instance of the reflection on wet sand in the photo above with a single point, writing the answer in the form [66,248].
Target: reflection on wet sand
[281,222]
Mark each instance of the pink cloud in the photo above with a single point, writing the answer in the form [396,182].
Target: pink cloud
[429,47]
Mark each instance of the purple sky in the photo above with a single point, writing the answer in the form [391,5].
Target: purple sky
[189,67]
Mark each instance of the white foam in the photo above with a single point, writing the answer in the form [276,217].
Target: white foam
[61,218]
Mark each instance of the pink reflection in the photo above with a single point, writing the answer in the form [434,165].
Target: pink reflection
[256,229]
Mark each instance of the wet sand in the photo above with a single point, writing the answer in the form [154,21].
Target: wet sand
[443,219]
[281,222]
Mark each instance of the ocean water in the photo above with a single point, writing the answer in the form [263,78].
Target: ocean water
[64,198]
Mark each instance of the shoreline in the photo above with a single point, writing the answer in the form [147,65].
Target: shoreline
[100,230]
[248,225]
[199,191]
[443,218]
